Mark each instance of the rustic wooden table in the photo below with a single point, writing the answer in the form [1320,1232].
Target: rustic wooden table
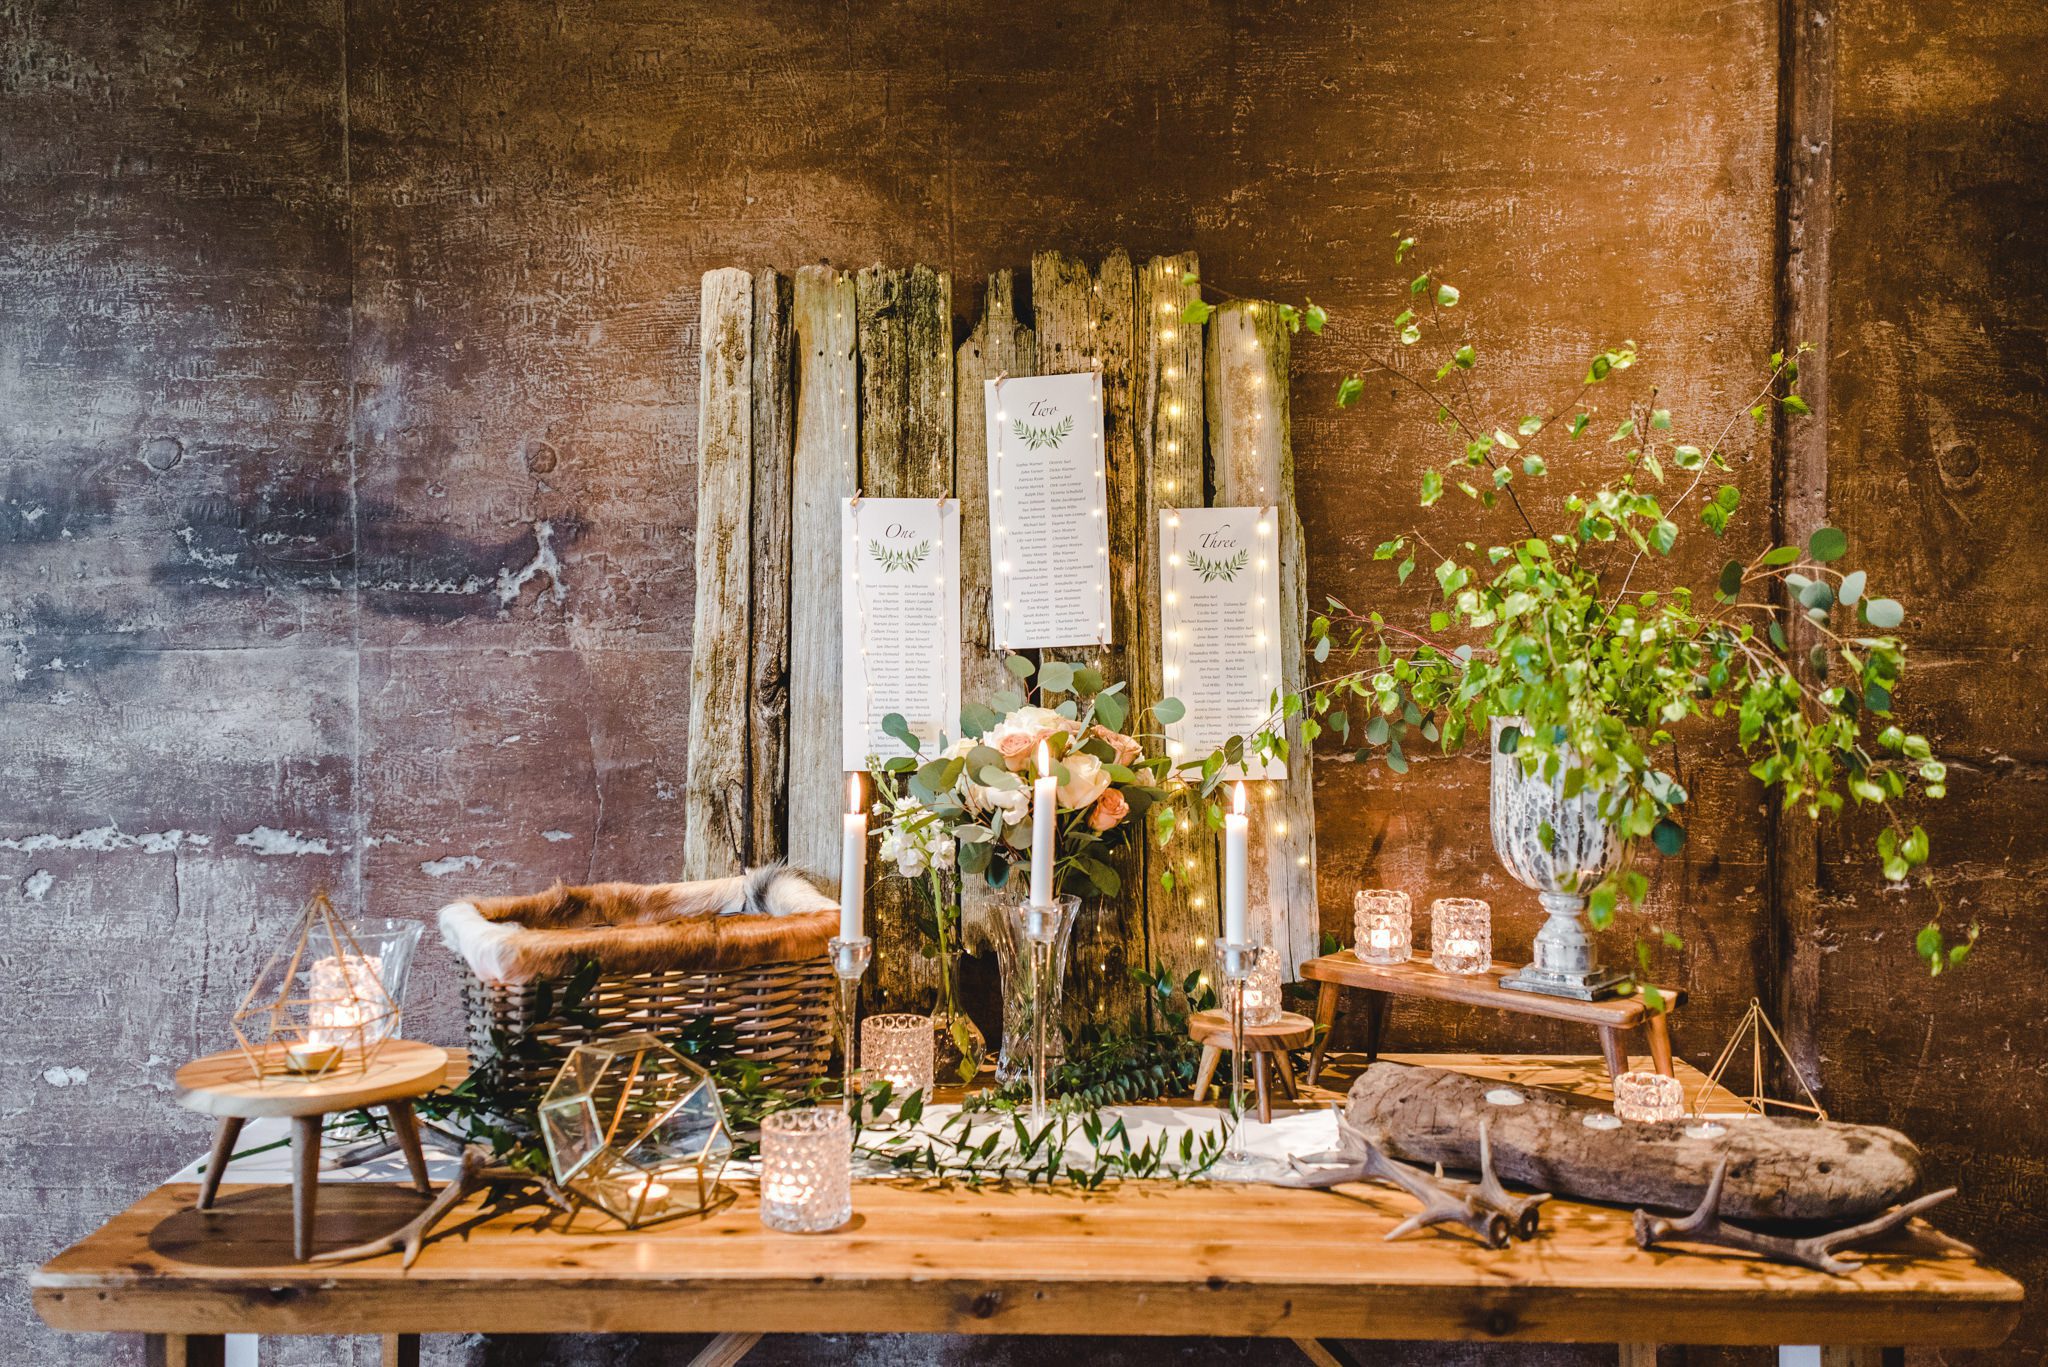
[1146,1258]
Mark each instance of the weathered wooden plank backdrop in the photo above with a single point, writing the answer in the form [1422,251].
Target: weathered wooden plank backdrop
[916,399]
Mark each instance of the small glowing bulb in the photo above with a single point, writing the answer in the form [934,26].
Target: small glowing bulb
[1166,334]
[1173,410]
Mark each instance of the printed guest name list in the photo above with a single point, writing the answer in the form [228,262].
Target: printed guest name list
[1219,581]
[901,605]
[1048,521]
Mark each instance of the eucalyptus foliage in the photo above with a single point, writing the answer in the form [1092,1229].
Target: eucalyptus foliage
[1583,633]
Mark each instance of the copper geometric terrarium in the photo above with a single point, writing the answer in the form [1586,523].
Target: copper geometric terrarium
[321,1004]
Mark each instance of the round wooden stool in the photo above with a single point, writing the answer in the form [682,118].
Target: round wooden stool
[1263,1043]
[221,1085]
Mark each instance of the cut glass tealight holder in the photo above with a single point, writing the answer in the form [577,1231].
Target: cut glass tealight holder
[806,1170]
[1460,935]
[1647,1098]
[1262,988]
[636,1129]
[1383,920]
[898,1049]
[328,998]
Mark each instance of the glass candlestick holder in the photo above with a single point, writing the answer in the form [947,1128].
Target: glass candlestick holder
[806,1169]
[1460,935]
[1647,1098]
[1235,963]
[1383,919]
[851,955]
[1039,930]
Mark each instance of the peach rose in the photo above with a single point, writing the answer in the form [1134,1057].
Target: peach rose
[1018,749]
[1110,808]
[1122,746]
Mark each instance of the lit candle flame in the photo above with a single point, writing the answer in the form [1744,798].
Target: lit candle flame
[853,792]
[1044,760]
[1237,799]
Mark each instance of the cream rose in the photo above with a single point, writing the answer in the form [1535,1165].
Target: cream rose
[1110,808]
[1017,736]
[1086,781]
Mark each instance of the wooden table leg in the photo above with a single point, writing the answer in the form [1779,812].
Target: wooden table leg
[1377,1004]
[184,1350]
[224,1137]
[406,1126]
[1260,1072]
[1285,1063]
[1616,1051]
[1658,1028]
[1206,1074]
[401,1350]
[305,1182]
[724,1350]
[1326,1016]
[1638,1355]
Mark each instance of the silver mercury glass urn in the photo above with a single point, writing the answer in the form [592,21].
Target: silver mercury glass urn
[1581,851]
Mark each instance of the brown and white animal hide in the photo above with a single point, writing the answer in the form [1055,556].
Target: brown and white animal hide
[767,915]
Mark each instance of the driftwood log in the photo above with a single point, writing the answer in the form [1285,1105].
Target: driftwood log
[1778,1168]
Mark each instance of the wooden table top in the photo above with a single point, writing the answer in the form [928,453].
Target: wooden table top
[1145,1258]
[1418,977]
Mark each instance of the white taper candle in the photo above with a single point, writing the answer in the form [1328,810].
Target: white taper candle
[1236,828]
[853,864]
[1044,838]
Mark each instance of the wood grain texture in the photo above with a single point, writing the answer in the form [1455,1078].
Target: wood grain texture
[717,806]
[1274,1262]
[1084,317]
[906,451]
[773,436]
[1000,345]
[1251,460]
[1168,404]
[825,469]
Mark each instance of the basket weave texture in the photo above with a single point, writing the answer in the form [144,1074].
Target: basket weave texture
[778,1017]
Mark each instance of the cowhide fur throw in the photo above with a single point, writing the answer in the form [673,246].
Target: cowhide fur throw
[766,915]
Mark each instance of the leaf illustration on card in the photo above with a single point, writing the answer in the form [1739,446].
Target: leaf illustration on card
[1052,434]
[899,562]
[1212,570]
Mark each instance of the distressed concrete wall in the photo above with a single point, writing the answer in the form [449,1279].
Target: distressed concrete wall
[347,405]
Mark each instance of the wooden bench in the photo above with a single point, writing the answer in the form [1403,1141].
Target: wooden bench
[1149,1258]
[1612,1017]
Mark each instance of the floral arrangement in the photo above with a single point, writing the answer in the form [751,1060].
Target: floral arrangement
[969,807]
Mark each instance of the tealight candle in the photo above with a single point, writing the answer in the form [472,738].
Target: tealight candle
[806,1169]
[1384,921]
[1646,1098]
[898,1049]
[1460,935]
[311,1058]
[1262,988]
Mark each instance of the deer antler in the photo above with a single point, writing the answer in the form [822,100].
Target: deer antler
[1705,1226]
[475,1172]
[1523,1213]
[1443,1202]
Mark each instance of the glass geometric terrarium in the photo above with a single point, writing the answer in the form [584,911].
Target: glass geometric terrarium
[636,1129]
[328,999]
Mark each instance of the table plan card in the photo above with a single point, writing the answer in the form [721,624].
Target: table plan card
[1219,576]
[1047,502]
[900,598]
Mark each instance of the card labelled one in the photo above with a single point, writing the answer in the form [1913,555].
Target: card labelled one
[1048,511]
[900,596]
[1219,579]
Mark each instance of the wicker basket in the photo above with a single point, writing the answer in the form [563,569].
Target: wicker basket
[744,955]
[779,1017]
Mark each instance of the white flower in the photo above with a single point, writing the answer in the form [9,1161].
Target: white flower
[1086,780]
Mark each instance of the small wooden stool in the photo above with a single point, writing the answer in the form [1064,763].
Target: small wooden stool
[221,1085]
[1211,1030]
